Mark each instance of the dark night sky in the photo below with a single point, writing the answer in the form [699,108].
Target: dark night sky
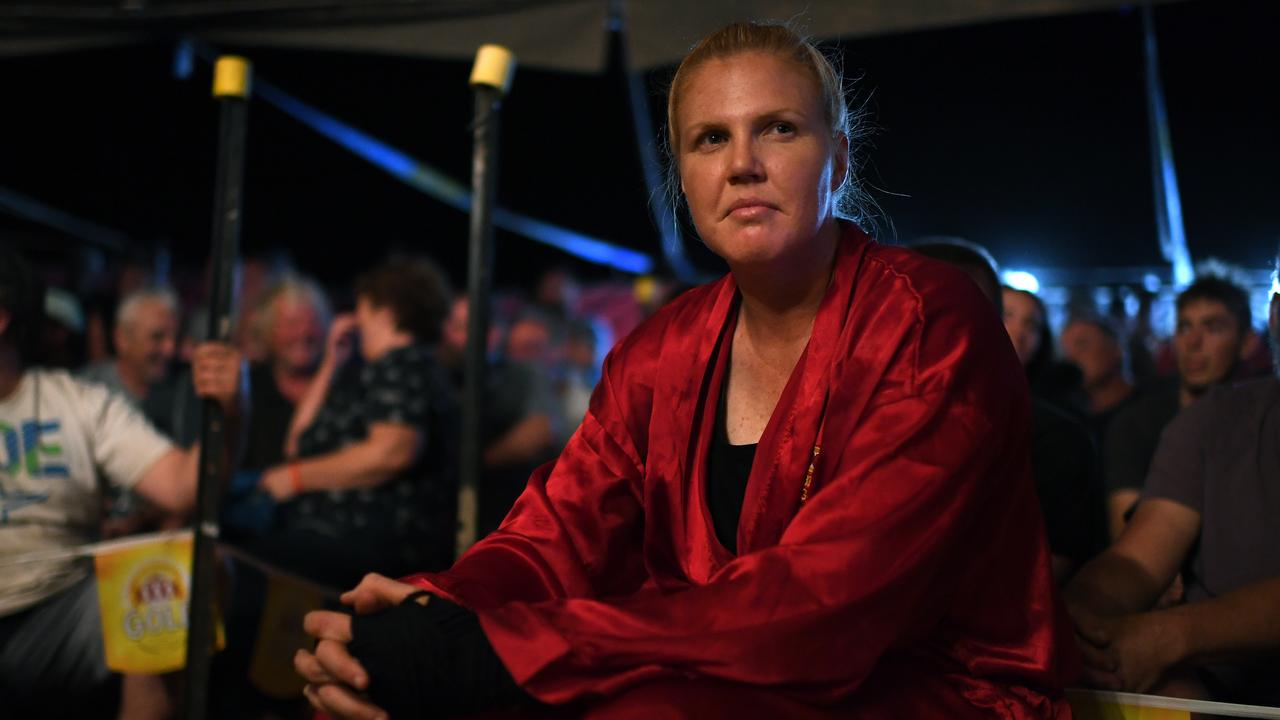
[1029,136]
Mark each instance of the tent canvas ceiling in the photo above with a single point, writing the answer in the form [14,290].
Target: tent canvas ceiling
[568,35]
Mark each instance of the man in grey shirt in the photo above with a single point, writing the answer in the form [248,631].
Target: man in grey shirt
[1209,509]
[146,341]
[1211,341]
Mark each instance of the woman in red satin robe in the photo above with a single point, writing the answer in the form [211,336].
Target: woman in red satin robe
[888,558]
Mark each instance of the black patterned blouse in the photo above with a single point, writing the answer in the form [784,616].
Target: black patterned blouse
[415,511]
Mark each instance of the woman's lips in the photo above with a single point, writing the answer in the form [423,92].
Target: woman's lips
[750,211]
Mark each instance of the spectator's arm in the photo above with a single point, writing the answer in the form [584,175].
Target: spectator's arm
[171,481]
[309,406]
[1130,575]
[337,350]
[526,442]
[1142,648]
[1124,468]
[1119,503]
[389,449]
[1243,623]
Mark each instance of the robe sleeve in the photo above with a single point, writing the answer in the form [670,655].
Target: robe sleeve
[576,529]
[870,563]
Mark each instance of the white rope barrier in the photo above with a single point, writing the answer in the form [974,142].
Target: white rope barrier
[1104,698]
[89,550]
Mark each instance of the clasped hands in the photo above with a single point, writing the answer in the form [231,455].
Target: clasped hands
[336,682]
[1129,653]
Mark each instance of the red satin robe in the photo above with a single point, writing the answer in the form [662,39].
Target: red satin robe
[913,582]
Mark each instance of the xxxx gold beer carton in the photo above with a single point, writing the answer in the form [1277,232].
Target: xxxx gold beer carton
[143,592]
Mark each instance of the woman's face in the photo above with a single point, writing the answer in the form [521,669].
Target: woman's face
[757,162]
[1023,322]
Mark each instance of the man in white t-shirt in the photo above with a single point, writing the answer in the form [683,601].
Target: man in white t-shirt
[60,438]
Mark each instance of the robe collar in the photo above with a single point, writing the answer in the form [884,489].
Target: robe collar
[786,448]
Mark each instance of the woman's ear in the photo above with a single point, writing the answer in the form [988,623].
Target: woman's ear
[840,173]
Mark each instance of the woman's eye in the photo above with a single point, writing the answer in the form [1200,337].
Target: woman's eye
[784,128]
[711,138]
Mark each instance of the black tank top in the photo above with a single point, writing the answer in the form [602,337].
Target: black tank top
[728,467]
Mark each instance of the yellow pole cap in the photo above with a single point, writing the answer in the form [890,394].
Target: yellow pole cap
[494,67]
[231,77]
[645,289]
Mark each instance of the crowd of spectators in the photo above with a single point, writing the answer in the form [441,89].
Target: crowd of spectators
[1158,490]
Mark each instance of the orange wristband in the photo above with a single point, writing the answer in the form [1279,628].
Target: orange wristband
[295,478]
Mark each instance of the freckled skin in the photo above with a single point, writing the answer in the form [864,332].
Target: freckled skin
[752,128]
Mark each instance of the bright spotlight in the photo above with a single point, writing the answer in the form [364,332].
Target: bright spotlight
[1021,280]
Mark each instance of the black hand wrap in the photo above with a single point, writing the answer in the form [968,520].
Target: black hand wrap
[431,661]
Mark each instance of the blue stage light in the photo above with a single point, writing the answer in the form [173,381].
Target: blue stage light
[184,59]
[440,186]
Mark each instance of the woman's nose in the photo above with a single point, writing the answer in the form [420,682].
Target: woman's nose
[744,162]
